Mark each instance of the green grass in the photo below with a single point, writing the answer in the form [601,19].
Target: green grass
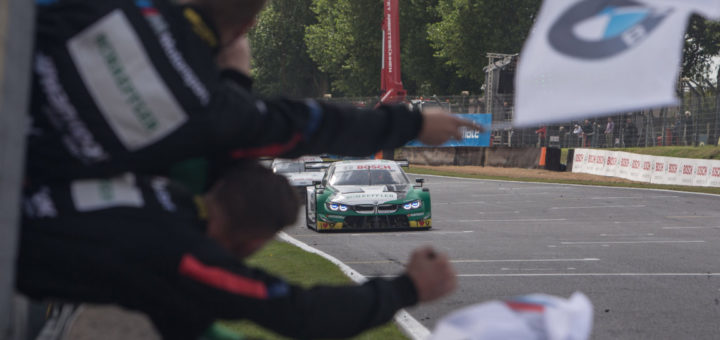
[305,269]
[567,181]
[696,152]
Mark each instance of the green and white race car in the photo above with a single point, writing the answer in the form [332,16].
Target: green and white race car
[365,195]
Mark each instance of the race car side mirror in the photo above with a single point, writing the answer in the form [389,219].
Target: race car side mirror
[420,181]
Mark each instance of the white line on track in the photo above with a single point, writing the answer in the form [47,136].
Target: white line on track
[631,242]
[626,235]
[602,206]
[692,216]
[485,261]
[514,220]
[417,233]
[409,325]
[673,228]
[460,179]
[581,274]
[615,198]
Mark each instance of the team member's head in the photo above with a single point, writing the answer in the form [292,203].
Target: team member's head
[248,206]
[232,18]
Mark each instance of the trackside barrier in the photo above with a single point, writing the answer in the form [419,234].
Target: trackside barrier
[648,169]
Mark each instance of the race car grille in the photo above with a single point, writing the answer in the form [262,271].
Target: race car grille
[387,208]
[376,222]
[364,208]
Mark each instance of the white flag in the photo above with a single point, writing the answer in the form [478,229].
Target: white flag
[588,58]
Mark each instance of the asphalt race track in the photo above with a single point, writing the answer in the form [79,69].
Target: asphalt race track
[648,260]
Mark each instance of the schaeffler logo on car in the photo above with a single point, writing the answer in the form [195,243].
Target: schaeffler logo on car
[385,196]
[594,29]
[374,167]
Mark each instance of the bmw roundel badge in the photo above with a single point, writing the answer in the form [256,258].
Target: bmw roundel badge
[599,29]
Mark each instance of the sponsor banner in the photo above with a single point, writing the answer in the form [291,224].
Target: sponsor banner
[623,169]
[648,169]
[612,164]
[687,171]
[580,161]
[660,170]
[470,137]
[91,195]
[613,45]
[714,169]
[702,173]
[124,83]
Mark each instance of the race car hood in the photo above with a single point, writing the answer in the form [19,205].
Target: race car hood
[303,178]
[375,194]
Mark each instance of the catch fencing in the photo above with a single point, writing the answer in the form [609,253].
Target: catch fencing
[695,122]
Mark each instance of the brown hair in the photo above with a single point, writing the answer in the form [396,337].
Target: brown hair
[253,198]
[232,13]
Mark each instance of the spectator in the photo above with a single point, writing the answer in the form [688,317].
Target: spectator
[688,129]
[541,135]
[184,96]
[148,245]
[609,128]
[631,133]
[588,133]
[578,134]
[676,130]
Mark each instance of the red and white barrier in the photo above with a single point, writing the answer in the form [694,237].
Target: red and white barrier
[648,169]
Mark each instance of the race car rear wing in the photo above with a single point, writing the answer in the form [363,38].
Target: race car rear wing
[317,165]
[403,163]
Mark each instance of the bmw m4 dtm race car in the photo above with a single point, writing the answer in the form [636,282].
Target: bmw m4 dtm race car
[367,195]
[297,173]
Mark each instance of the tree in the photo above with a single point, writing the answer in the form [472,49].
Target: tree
[281,64]
[702,43]
[423,73]
[346,44]
[471,28]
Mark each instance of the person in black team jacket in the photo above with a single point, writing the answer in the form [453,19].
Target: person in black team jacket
[139,85]
[146,244]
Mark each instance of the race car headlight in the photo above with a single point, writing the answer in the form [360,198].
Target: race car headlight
[412,205]
[337,207]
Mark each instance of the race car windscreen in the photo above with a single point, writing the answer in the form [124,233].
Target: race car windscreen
[283,168]
[368,177]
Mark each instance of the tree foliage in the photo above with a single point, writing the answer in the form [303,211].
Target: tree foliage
[469,29]
[346,44]
[309,47]
[702,43]
[281,64]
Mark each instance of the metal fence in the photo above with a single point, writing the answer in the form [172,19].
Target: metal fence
[695,122]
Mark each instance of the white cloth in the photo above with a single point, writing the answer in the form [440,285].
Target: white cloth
[588,58]
[530,317]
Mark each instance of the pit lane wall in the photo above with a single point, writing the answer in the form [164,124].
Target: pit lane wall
[648,169]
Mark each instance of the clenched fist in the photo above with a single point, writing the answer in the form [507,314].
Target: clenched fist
[432,274]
